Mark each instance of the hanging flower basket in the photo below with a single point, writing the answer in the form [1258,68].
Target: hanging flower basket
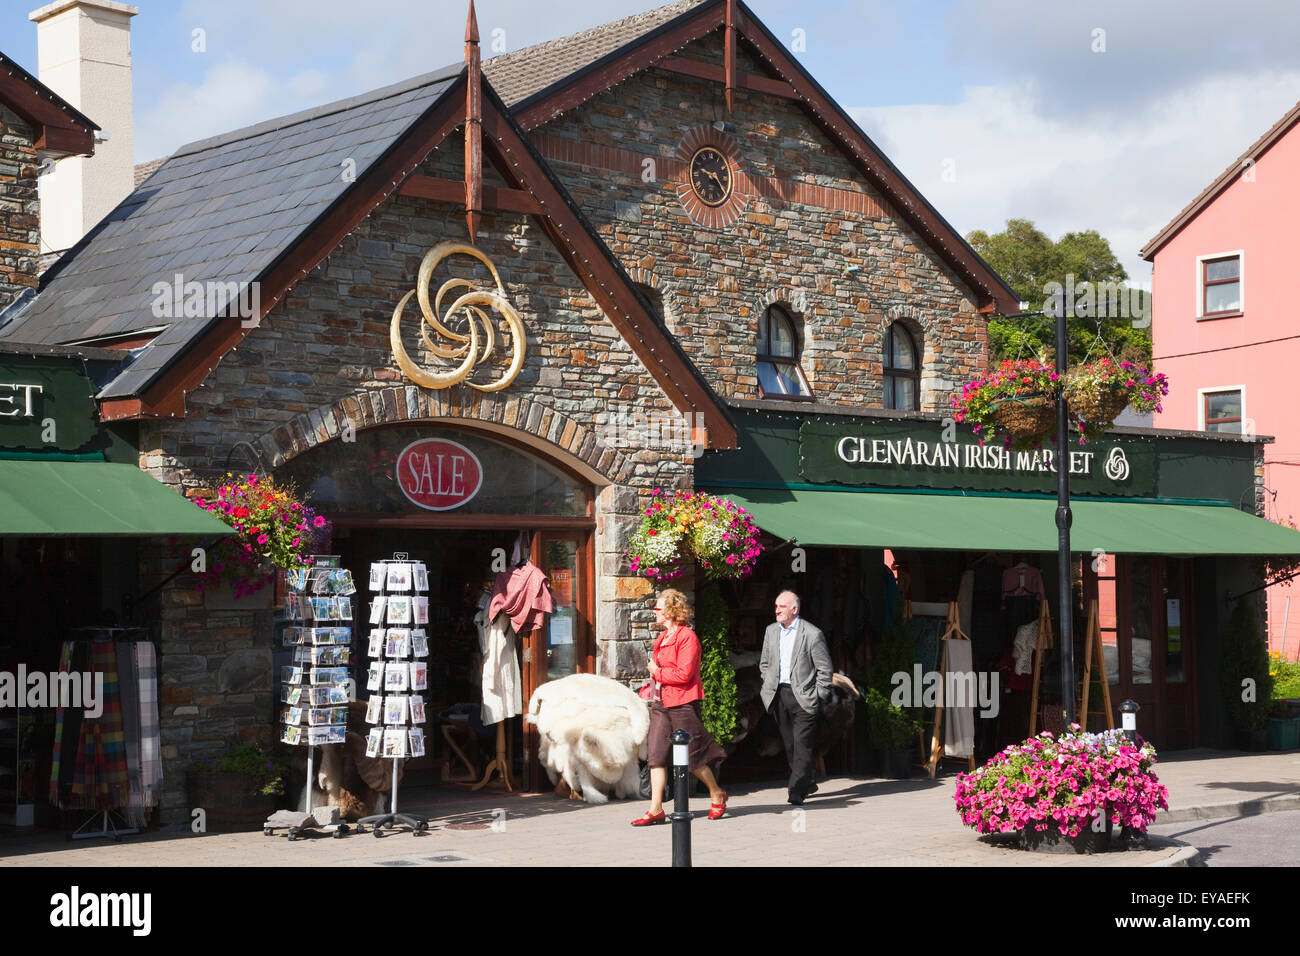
[274,528]
[676,531]
[1014,405]
[1099,392]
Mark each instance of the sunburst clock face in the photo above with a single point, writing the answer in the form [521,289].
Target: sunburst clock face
[711,178]
[711,187]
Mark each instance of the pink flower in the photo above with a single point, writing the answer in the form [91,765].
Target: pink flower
[319,521]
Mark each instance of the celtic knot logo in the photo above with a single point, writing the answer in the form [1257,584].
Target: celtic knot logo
[466,326]
[1116,466]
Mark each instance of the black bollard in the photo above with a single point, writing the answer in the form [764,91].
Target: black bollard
[1129,720]
[681,815]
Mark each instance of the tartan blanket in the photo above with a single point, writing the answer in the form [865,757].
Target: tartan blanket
[151,776]
[60,725]
[100,781]
[129,684]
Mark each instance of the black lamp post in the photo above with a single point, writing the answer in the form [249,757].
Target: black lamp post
[1065,609]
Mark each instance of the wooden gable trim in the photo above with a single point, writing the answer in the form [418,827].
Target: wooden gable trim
[164,397]
[451,190]
[743,80]
[53,129]
[658,49]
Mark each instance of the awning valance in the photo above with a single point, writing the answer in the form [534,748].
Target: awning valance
[878,519]
[94,498]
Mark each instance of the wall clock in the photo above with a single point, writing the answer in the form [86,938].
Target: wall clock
[710,185]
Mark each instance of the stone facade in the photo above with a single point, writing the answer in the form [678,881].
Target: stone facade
[795,250]
[20,213]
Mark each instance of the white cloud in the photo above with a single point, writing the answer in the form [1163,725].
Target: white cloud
[1123,173]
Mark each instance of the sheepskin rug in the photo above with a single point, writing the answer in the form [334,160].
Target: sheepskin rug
[592,734]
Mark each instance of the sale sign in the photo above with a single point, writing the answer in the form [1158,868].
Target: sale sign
[438,475]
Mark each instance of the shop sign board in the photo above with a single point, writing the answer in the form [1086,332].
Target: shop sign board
[46,405]
[886,454]
[438,475]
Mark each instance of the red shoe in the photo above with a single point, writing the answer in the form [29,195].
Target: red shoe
[716,810]
[649,819]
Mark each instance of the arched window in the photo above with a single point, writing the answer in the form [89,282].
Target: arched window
[902,370]
[779,374]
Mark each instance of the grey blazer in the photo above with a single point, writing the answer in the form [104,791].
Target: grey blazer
[810,666]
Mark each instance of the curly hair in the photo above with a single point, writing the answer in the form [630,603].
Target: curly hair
[675,609]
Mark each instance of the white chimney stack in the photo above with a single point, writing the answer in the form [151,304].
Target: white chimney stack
[84,55]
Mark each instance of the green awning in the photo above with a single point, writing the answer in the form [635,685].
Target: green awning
[91,498]
[877,519]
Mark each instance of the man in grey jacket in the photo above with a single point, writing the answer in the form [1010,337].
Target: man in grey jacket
[796,672]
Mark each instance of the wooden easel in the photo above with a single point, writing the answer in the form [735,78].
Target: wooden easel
[500,763]
[1092,651]
[952,631]
[1044,640]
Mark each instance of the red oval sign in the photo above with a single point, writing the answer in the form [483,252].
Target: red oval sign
[438,475]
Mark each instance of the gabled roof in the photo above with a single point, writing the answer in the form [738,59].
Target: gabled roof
[60,129]
[1225,179]
[223,209]
[555,77]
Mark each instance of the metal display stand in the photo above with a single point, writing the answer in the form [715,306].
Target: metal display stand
[322,648]
[397,583]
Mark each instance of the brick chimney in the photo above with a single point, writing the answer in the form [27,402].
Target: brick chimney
[84,55]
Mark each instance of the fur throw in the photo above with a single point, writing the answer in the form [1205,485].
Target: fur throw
[592,733]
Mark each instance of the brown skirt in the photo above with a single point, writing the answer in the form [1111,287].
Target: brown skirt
[703,750]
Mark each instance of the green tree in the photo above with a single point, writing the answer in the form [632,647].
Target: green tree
[1031,263]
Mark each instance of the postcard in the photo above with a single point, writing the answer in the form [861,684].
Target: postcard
[338,694]
[419,644]
[417,709]
[395,709]
[399,642]
[395,742]
[291,735]
[293,715]
[415,739]
[375,676]
[399,609]
[375,709]
[291,675]
[399,576]
[290,695]
[376,577]
[421,610]
[395,677]
[374,741]
[376,648]
[338,733]
[377,607]
[421,575]
[320,696]
[318,736]
[297,579]
[419,675]
[345,608]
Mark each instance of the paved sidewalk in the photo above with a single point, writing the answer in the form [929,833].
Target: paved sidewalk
[850,822]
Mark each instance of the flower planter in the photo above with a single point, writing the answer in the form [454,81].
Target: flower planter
[1102,406]
[228,802]
[1283,733]
[1026,418]
[1053,840]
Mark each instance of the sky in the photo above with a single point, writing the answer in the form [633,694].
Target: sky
[1093,114]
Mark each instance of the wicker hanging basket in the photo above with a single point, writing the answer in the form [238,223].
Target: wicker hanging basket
[1098,405]
[1026,417]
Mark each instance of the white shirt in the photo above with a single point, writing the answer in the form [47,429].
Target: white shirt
[787,650]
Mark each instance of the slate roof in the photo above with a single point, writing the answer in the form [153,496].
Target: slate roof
[223,209]
[525,73]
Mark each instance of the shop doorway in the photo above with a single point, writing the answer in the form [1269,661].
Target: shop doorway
[1148,642]
[461,563]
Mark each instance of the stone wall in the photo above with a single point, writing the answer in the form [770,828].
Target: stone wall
[20,213]
[809,218]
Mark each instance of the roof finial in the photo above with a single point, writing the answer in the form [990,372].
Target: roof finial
[471,26]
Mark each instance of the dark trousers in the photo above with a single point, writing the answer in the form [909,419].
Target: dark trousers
[797,735]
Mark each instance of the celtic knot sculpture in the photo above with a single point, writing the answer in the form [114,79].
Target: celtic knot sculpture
[469,308]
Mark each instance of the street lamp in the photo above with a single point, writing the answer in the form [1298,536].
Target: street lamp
[1065,611]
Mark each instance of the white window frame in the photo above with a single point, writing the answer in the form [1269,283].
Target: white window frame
[1200,404]
[1200,283]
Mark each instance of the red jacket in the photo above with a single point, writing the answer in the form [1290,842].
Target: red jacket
[678,658]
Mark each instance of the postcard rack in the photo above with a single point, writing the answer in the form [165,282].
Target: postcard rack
[398,670]
[314,686]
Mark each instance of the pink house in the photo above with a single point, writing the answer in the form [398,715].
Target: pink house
[1225,325]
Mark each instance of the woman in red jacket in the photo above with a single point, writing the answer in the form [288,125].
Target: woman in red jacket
[675,669]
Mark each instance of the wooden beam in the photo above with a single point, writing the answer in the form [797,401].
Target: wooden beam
[473,128]
[729,54]
[73,140]
[537,110]
[745,81]
[450,190]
